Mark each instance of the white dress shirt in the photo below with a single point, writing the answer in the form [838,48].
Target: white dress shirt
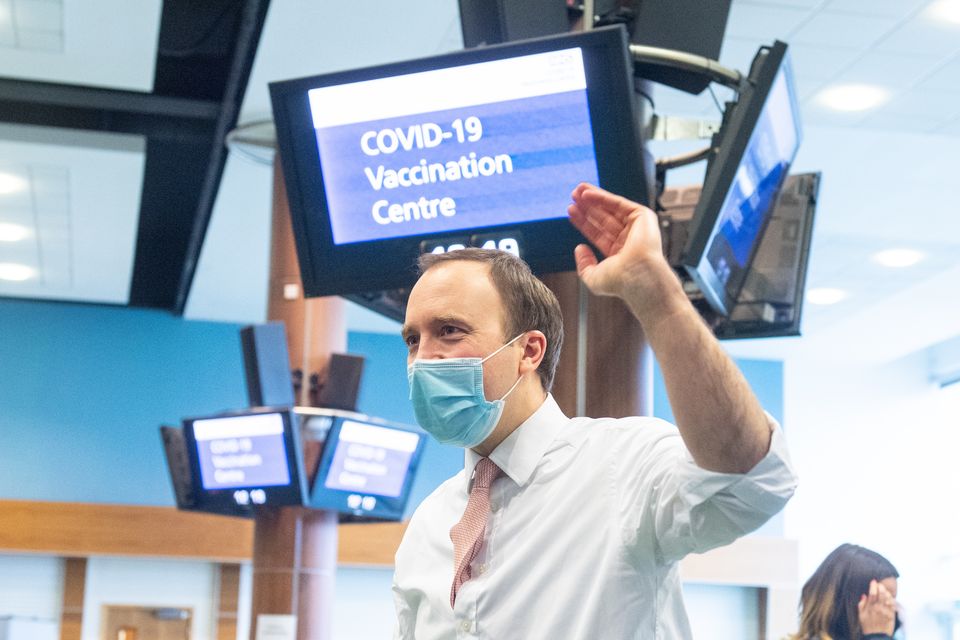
[587,525]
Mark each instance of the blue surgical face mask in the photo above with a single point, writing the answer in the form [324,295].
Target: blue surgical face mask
[448,400]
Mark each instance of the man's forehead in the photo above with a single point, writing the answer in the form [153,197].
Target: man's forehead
[457,288]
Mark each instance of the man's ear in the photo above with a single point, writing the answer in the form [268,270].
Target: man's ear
[534,345]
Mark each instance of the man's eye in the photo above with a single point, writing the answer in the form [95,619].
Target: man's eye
[449,330]
[411,341]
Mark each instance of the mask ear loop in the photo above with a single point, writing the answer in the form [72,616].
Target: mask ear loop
[509,391]
[502,348]
[504,397]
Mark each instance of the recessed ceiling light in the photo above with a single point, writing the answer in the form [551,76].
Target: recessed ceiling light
[946,11]
[10,183]
[16,272]
[853,97]
[898,257]
[825,295]
[13,232]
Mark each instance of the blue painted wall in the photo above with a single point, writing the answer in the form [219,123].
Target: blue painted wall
[84,389]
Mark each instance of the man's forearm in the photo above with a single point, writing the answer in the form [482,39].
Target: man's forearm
[718,415]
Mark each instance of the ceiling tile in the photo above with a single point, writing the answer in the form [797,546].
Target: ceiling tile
[42,15]
[921,35]
[951,128]
[818,61]
[893,70]
[7,38]
[763,22]
[794,4]
[107,43]
[943,78]
[738,53]
[849,30]
[884,121]
[890,8]
[39,40]
[939,105]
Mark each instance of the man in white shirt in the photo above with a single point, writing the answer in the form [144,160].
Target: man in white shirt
[572,528]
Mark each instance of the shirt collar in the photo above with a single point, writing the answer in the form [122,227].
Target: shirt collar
[520,452]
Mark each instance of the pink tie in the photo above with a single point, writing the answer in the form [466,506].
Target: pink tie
[467,535]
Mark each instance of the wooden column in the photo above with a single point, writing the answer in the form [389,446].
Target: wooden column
[229,590]
[295,549]
[74,586]
[606,366]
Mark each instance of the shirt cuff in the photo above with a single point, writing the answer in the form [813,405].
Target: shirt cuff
[767,486]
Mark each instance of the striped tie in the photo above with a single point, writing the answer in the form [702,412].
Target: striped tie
[467,535]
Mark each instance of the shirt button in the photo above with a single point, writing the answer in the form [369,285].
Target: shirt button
[482,569]
[465,625]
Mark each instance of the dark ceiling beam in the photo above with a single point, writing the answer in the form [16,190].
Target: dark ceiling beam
[62,95]
[248,38]
[107,110]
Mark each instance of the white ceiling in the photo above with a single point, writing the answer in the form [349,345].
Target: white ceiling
[97,43]
[889,173]
[79,201]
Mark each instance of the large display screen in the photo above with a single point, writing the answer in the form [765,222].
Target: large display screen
[756,147]
[242,460]
[477,145]
[474,148]
[242,451]
[371,459]
[367,467]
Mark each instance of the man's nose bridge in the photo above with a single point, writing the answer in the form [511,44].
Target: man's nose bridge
[429,349]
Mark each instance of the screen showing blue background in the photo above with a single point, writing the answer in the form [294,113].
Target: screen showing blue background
[260,462]
[549,141]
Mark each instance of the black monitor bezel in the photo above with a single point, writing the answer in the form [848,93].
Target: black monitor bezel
[388,507]
[331,269]
[294,493]
[730,144]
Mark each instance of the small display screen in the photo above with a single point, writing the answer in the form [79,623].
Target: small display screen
[371,460]
[445,150]
[772,147]
[242,451]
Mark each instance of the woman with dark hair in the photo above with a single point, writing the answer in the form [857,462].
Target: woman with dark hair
[851,596]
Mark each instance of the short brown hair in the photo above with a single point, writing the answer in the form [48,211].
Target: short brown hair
[528,303]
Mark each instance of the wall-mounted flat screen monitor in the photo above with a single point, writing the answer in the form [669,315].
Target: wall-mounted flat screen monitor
[245,460]
[474,148]
[367,466]
[755,147]
[770,303]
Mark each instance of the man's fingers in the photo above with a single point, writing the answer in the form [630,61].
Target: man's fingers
[603,235]
[585,259]
[592,196]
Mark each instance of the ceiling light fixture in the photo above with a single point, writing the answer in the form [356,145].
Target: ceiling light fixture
[945,11]
[853,97]
[898,258]
[825,295]
[11,183]
[16,272]
[10,232]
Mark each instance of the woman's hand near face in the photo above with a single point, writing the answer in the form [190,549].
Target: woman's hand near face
[878,610]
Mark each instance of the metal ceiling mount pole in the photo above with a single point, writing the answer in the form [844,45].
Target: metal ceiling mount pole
[688,62]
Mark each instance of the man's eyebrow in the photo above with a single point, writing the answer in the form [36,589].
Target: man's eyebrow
[452,319]
[407,330]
